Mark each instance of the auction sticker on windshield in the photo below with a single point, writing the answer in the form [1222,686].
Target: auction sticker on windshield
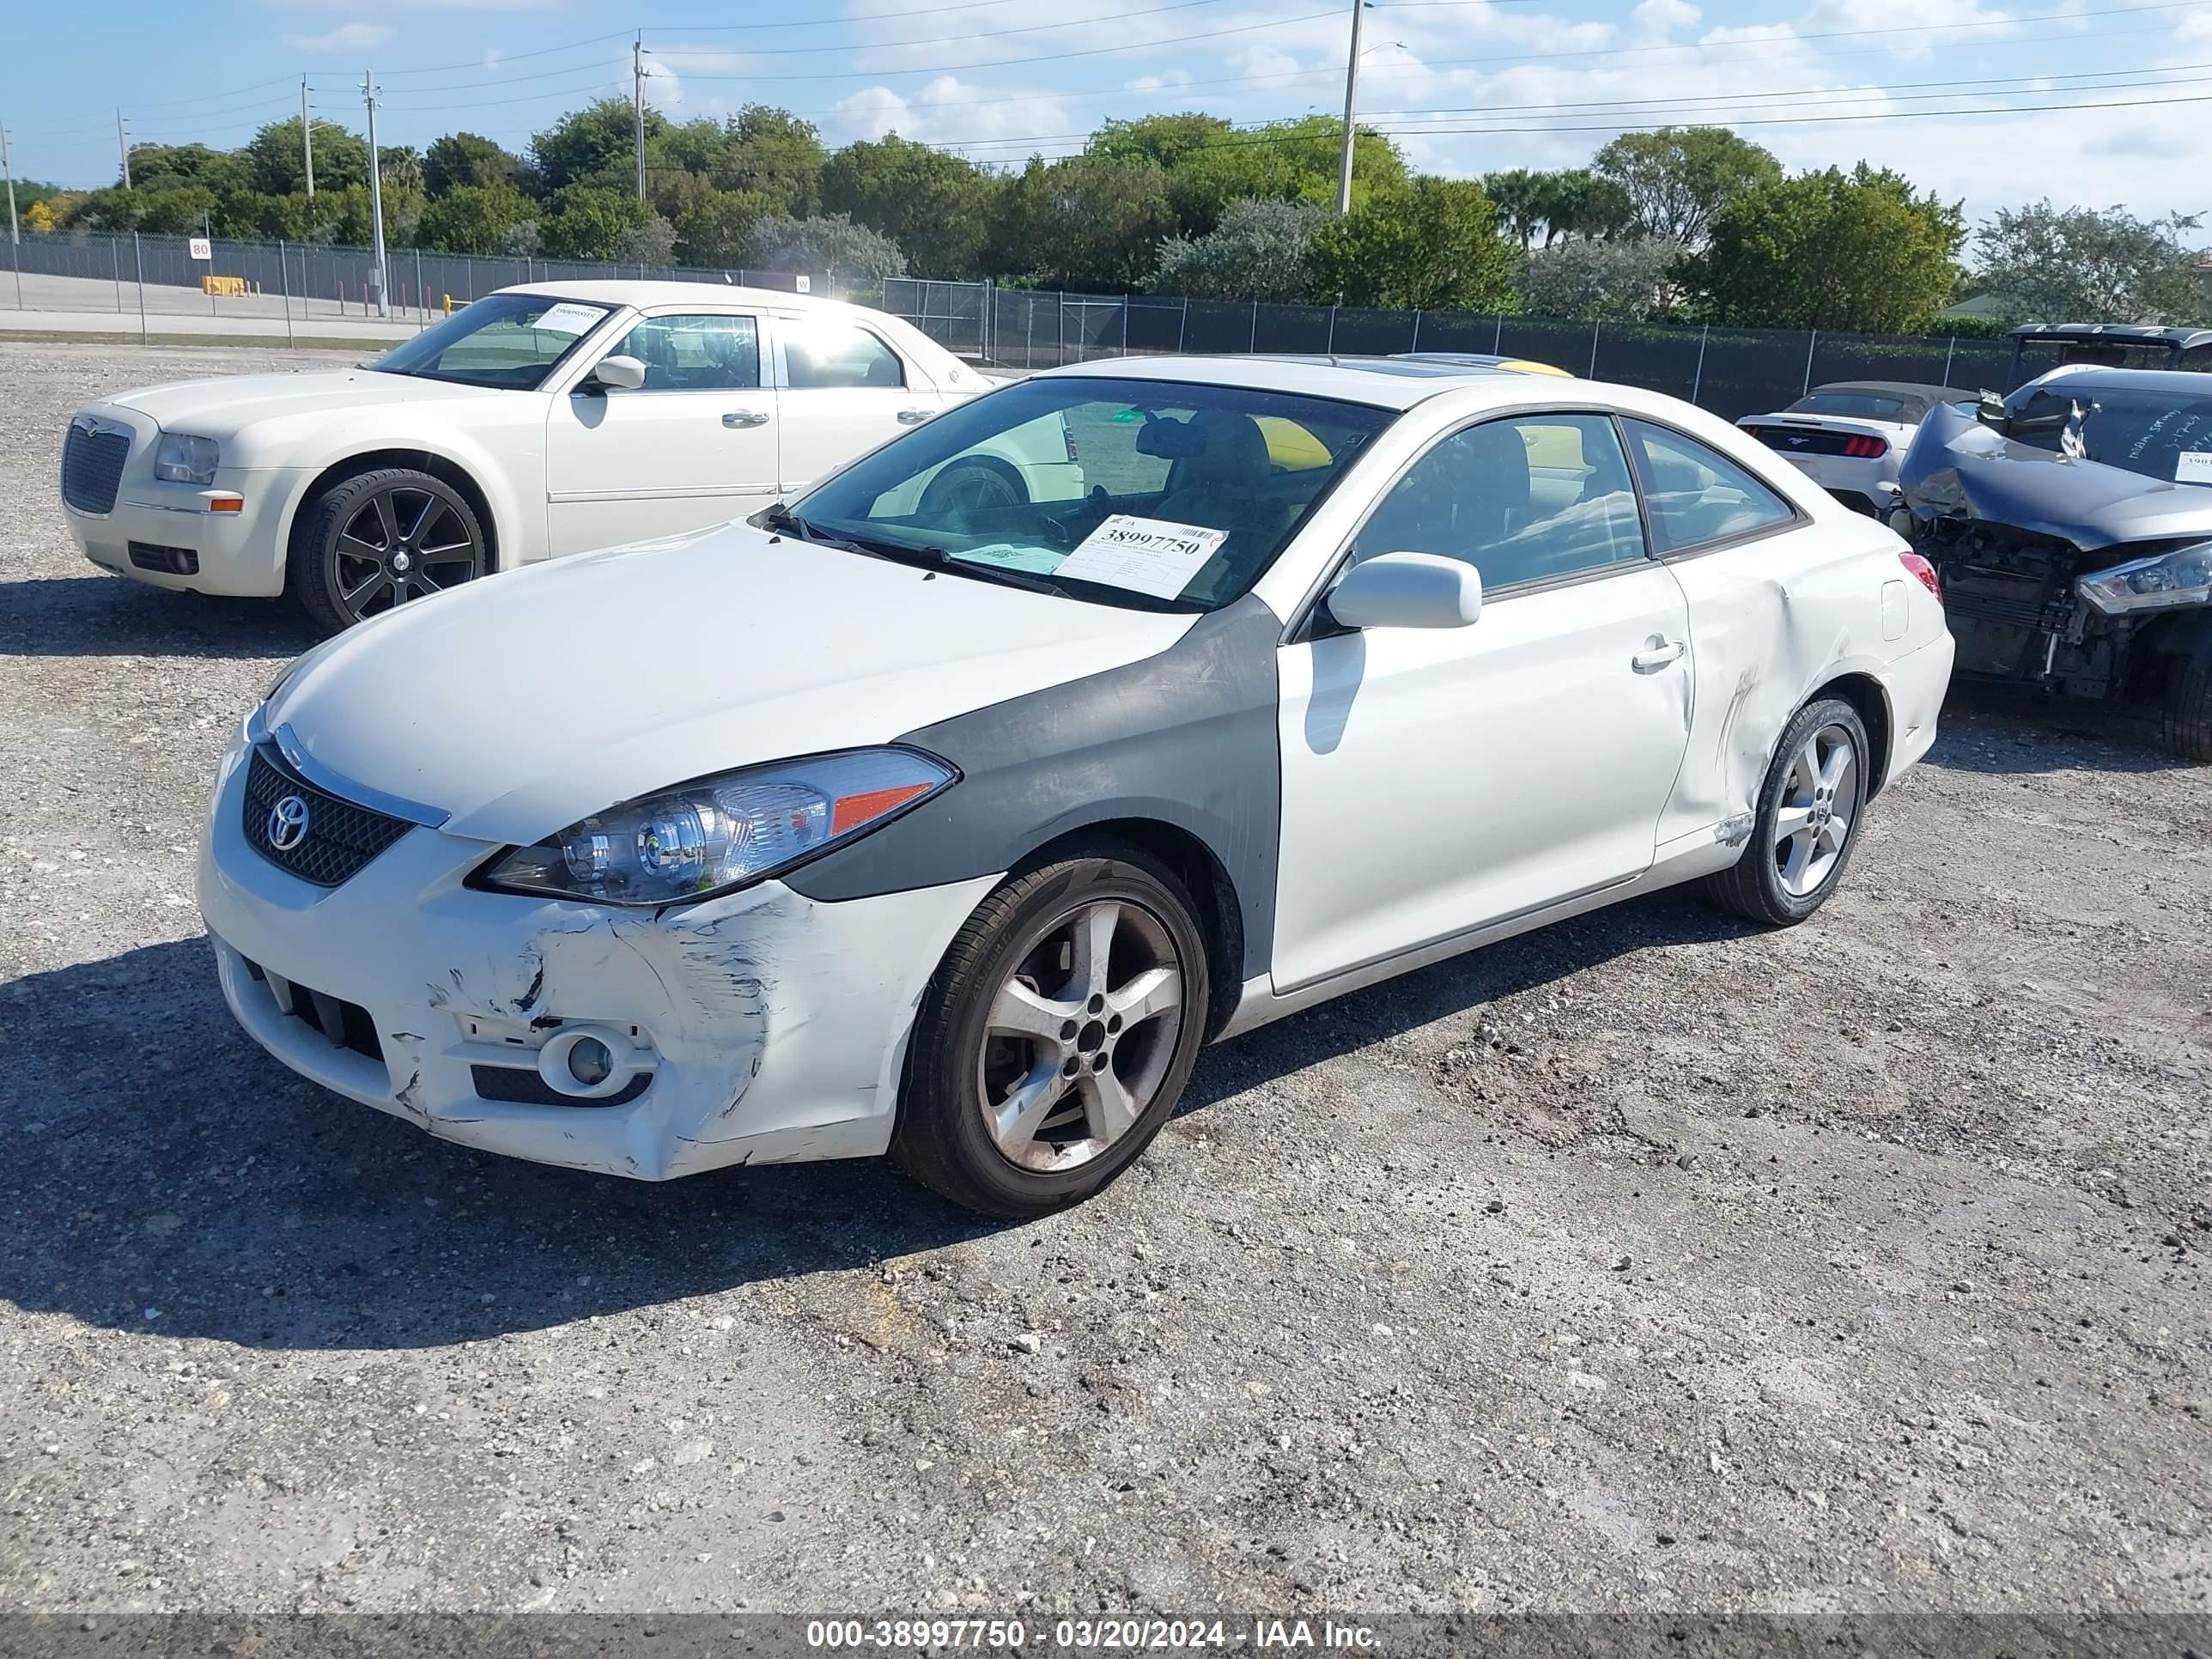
[567,319]
[2193,466]
[1145,556]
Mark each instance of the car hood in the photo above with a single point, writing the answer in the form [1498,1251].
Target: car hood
[519,704]
[1958,468]
[216,409]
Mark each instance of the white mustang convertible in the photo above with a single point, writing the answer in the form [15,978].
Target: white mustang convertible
[954,825]
[536,422]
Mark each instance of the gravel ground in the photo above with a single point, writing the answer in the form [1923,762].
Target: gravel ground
[1646,1263]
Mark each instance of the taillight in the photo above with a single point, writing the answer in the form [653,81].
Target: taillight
[1925,571]
[1861,447]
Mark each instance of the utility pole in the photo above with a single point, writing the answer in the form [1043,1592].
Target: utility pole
[307,140]
[8,169]
[637,104]
[375,198]
[1350,105]
[123,146]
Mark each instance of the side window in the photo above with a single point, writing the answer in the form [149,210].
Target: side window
[707,353]
[839,355]
[1696,495]
[1525,499]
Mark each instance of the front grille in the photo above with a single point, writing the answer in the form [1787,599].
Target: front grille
[1803,439]
[511,1083]
[347,1024]
[171,561]
[339,837]
[92,468]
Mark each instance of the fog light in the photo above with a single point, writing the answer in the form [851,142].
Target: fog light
[590,1061]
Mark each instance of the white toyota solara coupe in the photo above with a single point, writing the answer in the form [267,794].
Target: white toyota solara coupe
[536,422]
[955,829]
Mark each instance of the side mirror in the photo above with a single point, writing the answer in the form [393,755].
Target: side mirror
[617,374]
[1408,590]
[1990,410]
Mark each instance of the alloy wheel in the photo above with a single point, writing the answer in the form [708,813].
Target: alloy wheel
[1818,804]
[1080,1036]
[399,544]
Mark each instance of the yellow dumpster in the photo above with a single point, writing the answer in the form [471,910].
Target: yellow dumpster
[227,288]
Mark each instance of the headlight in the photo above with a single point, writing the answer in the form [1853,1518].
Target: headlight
[183,458]
[722,832]
[2183,577]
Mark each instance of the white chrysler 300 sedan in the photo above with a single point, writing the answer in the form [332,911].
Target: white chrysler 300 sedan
[956,829]
[536,422]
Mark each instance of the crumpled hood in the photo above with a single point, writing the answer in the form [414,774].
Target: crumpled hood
[217,408]
[521,703]
[1958,468]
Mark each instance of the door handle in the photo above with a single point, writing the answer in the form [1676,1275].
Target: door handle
[1657,655]
[915,417]
[743,417]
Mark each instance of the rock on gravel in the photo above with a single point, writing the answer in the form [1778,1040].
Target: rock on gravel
[389,1373]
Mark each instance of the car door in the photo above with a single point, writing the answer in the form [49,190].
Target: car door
[844,390]
[1438,780]
[694,446]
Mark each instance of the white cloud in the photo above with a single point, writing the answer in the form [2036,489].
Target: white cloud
[953,111]
[347,37]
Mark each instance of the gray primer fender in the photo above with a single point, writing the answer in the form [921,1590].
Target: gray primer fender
[1186,738]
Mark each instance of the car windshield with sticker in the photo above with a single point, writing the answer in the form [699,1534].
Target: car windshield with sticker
[503,341]
[1178,498]
[2157,433]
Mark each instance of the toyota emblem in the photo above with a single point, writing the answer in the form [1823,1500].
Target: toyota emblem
[287,824]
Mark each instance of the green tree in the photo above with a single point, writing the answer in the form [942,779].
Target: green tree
[936,206]
[467,160]
[1433,244]
[1614,279]
[2086,265]
[588,222]
[400,166]
[715,226]
[653,243]
[775,156]
[279,169]
[1582,202]
[1522,198]
[1678,179]
[473,218]
[1090,222]
[831,243]
[594,144]
[1259,250]
[1853,251]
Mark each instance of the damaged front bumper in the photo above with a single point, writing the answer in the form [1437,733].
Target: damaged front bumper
[759,1027]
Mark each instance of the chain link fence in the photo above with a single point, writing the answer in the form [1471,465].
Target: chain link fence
[1732,372]
[159,276]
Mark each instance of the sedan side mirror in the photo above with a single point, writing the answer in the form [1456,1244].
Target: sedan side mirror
[617,374]
[1408,590]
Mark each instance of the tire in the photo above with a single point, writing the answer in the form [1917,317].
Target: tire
[1019,955]
[974,483]
[359,547]
[2186,727]
[1768,884]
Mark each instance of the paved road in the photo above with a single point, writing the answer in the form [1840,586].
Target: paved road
[1649,1261]
[79,305]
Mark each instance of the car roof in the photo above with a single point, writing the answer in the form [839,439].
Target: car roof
[1381,382]
[2172,382]
[645,295]
[2184,337]
[1936,394]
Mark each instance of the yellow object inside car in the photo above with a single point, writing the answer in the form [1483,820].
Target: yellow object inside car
[1290,445]
[1529,366]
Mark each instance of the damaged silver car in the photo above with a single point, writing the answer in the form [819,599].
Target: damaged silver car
[2071,525]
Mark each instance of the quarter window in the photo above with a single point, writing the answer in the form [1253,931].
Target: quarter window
[706,353]
[1527,500]
[1696,496]
[839,355]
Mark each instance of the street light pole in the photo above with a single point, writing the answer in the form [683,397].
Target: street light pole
[375,198]
[6,167]
[1350,108]
[637,104]
[123,146]
[307,140]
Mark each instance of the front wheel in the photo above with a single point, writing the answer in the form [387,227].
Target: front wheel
[1807,821]
[2187,727]
[379,539]
[1056,1036]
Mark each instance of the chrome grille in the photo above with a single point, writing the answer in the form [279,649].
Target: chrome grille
[92,467]
[340,837]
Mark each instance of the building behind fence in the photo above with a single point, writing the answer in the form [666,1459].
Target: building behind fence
[1730,371]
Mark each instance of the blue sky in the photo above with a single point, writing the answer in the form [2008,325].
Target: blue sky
[1465,86]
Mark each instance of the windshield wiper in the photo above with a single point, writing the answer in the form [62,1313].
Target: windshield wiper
[778,518]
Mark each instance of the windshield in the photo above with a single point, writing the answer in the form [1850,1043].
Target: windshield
[2158,434]
[509,341]
[1860,405]
[1140,493]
